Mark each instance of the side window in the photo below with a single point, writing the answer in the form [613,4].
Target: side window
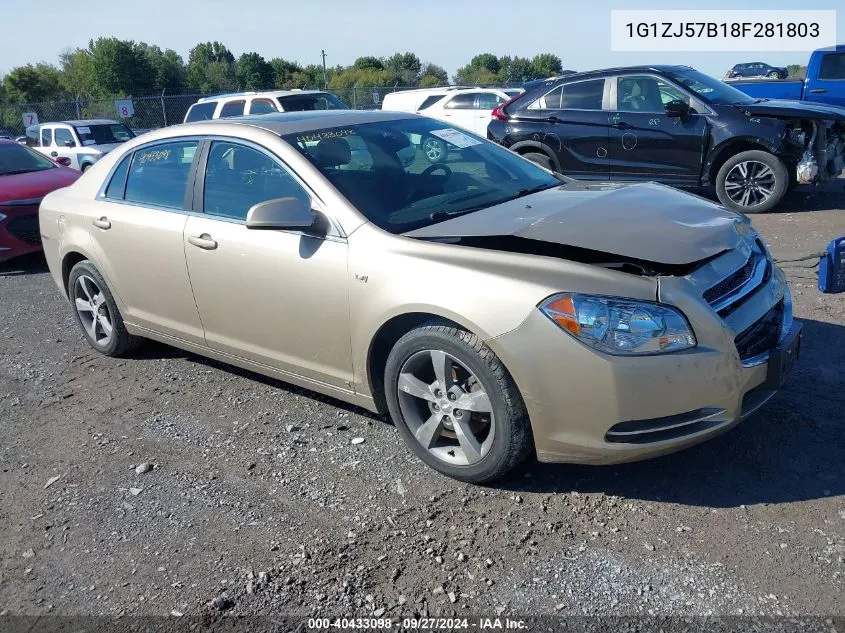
[238,177]
[64,138]
[201,112]
[549,101]
[430,101]
[158,174]
[833,66]
[46,137]
[639,93]
[461,102]
[262,106]
[32,136]
[232,108]
[583,95]
[117,184]
[488,100]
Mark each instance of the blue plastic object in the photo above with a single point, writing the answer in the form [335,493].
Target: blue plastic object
[832,267]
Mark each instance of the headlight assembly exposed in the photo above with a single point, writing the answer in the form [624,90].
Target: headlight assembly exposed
[619,326]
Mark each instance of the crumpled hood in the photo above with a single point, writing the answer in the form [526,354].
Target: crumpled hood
[797,109]
[648,222]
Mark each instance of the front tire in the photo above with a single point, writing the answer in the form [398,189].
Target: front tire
[455,405]
[752,182]
[96,311]
[774,75]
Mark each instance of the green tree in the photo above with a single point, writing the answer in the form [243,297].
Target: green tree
[33,84]
[482,69]
[368,62]
[514,69]
[546,65]
[167,66]
[405,68]
[283,73]
[120,67]
[254,72]
[796,71]
[77,74]
[433,75]
[211,68]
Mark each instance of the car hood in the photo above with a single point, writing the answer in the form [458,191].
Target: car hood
[647,222]
[797,109]
[105,148]
[35,185]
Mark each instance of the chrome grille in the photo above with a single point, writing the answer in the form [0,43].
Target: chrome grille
[730,292]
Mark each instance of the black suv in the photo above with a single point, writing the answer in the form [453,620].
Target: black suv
[677,126]
[756,69]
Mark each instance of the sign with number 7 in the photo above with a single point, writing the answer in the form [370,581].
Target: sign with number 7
[30,118]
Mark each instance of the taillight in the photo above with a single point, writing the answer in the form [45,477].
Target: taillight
[499,113]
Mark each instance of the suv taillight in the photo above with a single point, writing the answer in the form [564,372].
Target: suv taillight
[499,113]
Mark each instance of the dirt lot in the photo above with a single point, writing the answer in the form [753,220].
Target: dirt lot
[258,501]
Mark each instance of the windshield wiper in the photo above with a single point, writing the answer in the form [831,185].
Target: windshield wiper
[527,192]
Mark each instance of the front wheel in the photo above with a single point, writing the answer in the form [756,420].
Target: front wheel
[455,404]
[434,149]
[540,159]
[774,75]
[752,182]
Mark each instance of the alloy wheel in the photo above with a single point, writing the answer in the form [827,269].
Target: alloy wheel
[93,311]
[750,183]
[433,149]
[446,407]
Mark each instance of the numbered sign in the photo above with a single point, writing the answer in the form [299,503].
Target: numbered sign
[376,97]
[30,118]
[124,108]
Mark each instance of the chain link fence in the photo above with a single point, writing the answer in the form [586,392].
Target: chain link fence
[155,111]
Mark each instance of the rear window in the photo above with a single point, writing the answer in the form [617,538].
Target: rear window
[200,112]
[430,101]
[317,101]
[833,66]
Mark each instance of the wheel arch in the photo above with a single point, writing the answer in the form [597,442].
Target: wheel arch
[525,147]
[721,154]
[386,336]
[70,259]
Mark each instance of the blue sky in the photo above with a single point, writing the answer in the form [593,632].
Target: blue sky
[446,32]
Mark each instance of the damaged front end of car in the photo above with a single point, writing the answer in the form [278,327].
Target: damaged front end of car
[821,146]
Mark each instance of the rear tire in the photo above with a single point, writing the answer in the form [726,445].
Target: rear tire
[752,182]
[479,435]
[96,312]
[84,167]
[541,159]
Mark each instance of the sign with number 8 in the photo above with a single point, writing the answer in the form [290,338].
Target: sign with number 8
[124,108]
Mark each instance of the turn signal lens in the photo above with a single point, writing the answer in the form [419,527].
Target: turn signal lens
[620,326]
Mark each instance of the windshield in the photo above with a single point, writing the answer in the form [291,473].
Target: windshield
[409,173]
[709,89]
[103,134]
[19,159]
[319,101]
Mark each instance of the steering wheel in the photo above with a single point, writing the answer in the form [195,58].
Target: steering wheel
[447,172]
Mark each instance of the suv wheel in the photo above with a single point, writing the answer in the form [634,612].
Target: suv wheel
[455,404]
[541,159]
[96,312]
[434,149]
[752,182]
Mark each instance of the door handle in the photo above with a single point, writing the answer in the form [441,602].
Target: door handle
[54,154]
[553,119]
[621,125]
[102,223]
[203,241]
[818,91]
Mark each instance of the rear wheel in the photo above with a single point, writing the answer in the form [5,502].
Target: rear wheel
[752,182]
[774,75]
[434,149]
[541,159]
[455,404]
[84,167]
[96,311]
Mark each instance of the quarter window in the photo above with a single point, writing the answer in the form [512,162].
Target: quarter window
[582,95]
[46,137]
[117,184]
[232,108]
[158,174]
[238,177]
[201,112]
[262,106]
[461,102]
[833,66]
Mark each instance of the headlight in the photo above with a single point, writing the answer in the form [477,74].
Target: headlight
[620,326]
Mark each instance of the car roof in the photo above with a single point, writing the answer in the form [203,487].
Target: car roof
[295,122]
[266,93]
[603,72]
[76,122]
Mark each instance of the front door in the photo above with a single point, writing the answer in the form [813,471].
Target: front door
[458,110]
[647,143]
[64,146]
[278,298]
[138,225]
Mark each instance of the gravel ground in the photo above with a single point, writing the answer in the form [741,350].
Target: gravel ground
[167,483]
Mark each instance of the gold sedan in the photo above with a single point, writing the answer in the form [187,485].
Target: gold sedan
[492,308]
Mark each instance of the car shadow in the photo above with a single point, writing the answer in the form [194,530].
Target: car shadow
[31,264]
[825,197]
[791,450]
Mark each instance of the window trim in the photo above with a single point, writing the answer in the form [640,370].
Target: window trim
[605,97]
[704,109]
[45,128]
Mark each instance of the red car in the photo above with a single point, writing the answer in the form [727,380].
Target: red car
[25,178]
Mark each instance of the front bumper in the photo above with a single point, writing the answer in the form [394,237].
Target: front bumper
[19,232]
[590,408]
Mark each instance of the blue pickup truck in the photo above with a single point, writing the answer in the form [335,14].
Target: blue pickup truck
[825,81]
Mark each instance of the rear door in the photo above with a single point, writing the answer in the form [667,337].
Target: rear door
[572,121]
[645,142]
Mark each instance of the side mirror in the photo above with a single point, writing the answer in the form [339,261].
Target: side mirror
[70,143]
[281,213]
[677,109]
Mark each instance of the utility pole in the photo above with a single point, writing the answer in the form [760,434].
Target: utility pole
[325,76]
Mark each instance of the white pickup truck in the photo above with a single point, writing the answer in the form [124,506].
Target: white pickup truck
[77,144]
